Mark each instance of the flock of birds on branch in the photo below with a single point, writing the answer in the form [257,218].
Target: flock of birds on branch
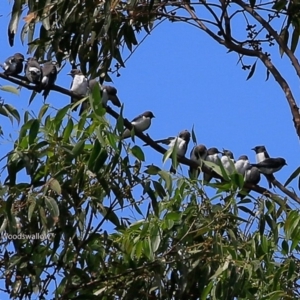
[45,76]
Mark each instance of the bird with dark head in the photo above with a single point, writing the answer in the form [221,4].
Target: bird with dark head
[33,71]
[181,141]
[198,154]
[140,123]
[270,165]
[251,174]
[13,65]
[227,161]
[261,154]
[212,156]
[49,71]
[108,93]
[79,86]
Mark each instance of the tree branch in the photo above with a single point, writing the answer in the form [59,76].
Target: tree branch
[152,143]
[270,29]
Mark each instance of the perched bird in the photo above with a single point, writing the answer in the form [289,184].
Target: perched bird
[49,72]
[270,165]
[181,141]
[140,123]
[198,154]
[250,174]
[33,71]
[226,160]
[13,65]
[79,85]
[242,164]
[261,154]
[212,156]
[108,93]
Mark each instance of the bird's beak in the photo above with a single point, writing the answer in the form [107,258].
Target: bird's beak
[253,149]
[69,74]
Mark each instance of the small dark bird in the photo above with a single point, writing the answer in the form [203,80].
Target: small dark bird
[33,71]
[79,85]
[242,164]
[181,141]
[212,156]
[270,165]
[250,174]
[49,71]
[198,154]
[261,154]
[13,65]
[108,93]
[226,160]
[140,123]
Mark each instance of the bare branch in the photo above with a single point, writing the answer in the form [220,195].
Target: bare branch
[270,29]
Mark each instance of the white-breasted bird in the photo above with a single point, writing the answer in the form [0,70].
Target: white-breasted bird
[140,123]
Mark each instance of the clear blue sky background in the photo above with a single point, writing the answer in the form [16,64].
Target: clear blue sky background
[186,79]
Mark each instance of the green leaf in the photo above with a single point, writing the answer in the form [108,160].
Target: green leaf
[252,70]
[159,189]
[284,35]
[279,5]
[14,21]
[55,186]
[100,160]
[10,89]
[33,131]
[31,207]
[59,116]
[52,206]
[194,136]
[293,176]
[68,130]
[295,38]
[13,112]
[95,152]
[138,153]
[43,111]
[78,148]
[33,94]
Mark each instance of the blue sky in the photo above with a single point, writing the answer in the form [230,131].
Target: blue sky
[186,79]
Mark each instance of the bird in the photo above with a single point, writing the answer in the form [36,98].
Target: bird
[140,123]
[198,154]
[33,70]
[242,164]
[261,154]
[107,93]
[212,156]
[251,174]
[49,72]
[181,141]
[270,165]
[79,85]
[13,65]
[227,161]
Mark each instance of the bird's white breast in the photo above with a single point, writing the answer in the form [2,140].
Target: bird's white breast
[79,85]
[142,124]
[260,157]
[241,166]
[34,70]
